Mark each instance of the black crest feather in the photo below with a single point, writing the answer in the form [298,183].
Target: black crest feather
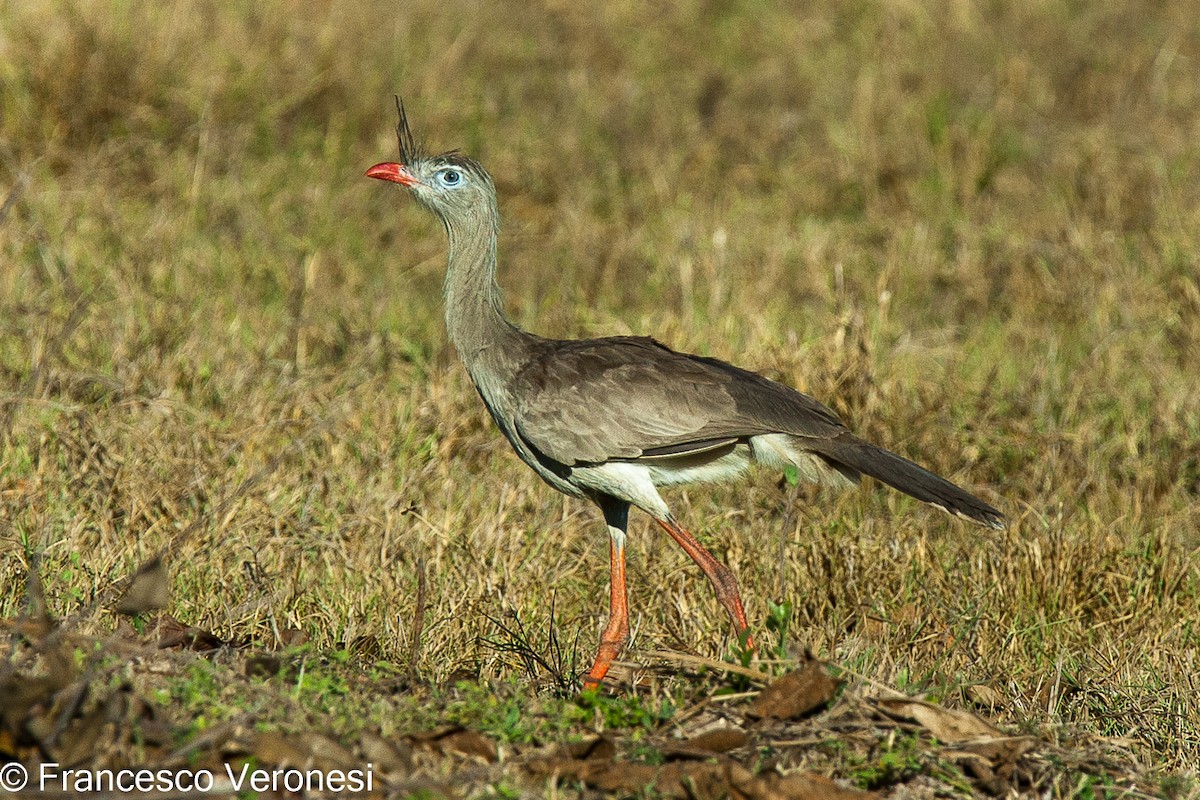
[409,150]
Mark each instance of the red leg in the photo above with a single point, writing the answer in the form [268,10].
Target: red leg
[718,574]
[617,631]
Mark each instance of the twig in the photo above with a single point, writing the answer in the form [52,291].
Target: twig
[302,277]
[555,663]
[723,666]
[418,623]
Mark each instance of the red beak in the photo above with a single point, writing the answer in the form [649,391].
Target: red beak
[396,173]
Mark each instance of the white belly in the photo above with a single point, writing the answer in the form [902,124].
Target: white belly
[637,481]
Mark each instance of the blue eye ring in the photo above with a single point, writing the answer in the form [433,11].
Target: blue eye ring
[450,177]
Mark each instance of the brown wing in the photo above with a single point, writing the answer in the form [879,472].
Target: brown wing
[596,400]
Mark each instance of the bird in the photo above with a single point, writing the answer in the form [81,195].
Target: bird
[614,419]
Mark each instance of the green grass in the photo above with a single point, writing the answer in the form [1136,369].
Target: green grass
[892,764]
[969,229]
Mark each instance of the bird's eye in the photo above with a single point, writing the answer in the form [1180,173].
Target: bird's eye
[450,178]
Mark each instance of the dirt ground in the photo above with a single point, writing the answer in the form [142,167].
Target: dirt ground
[155,696]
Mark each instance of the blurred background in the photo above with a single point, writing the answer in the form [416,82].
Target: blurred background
[971,228]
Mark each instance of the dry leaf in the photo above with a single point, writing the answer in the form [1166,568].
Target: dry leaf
[796,693]
[692,780]
[807,786]
[173,633]
[601,747]
[277,750]
[992,761]
[292,637]
[707,746]
[945,724]
[327,753]
[720,740]
[390,758]
[455,739]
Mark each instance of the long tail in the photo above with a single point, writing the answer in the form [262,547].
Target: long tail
[906,476]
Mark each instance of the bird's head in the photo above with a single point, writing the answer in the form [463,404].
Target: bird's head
[450,185]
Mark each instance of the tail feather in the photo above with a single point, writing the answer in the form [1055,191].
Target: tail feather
[902,474]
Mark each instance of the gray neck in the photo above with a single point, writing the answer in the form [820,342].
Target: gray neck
[486,340]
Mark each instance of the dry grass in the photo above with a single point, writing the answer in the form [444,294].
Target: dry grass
[969,228]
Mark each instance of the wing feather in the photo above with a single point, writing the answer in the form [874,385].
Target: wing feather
[597,400]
